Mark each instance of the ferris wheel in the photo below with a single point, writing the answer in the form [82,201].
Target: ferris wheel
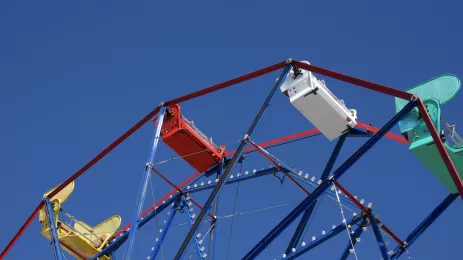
[432,140]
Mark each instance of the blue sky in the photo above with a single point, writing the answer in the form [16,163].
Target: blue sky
[76,75]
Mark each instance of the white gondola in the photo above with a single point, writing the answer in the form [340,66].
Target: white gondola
[315,101]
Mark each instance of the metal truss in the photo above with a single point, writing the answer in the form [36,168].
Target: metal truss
[180,198]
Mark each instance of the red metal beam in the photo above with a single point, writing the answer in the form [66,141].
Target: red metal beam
[368,212]
[132,130]
[267,156]
[185,182]
[275,141]
[441,148]
[228,83]
[180,190]
[390,135]
[279,140]
[372,129]
[352,198]
[353,80]
[297,184]
[267,143]
[21,230]
[81,257]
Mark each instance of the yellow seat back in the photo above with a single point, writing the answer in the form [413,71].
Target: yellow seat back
[60,197]
[99,234]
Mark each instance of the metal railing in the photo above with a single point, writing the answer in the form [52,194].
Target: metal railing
[451,134]
[70,226]
[196,130]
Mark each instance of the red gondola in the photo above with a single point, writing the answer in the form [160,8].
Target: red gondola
[188,142]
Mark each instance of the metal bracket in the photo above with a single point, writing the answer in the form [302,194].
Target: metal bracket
[313,91]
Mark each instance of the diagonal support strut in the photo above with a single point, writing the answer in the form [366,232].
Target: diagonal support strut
[232,162]
[308,212]
[254,252]
[53,230]
[144,184]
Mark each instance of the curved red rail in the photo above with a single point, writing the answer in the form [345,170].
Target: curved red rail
[133,129]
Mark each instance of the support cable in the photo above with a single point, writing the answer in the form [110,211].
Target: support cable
[223,85]
[287,142]
[314,212]
[234,210]
[266,144]
[248,152]
[204,237]
[191,154]
[345,222]
[254,211]
[209,230]
[233,160]
[293,172]
[408,254]
[64,256]
[223,217]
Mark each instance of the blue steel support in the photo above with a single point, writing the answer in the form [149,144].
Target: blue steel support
[357,233]
[215,222]
[113,256]
[379,237]
[232,162]
[159,242]
[144,184]
[254,252]
[191,221]
[358,133]
[117,242]
[322,239]
[261,173]
[308,212]
[53,231]
[425,224]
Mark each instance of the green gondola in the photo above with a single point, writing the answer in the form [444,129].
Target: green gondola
[434,94]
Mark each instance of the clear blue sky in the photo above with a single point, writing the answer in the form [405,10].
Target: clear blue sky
[75,75]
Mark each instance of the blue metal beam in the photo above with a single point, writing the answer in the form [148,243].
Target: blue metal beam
[322,239]
[53,231]
[358,133]
[257,174]
[379,237]
[308,212]
[163,231]
[144,184]
[191,221]
[117,242]
[255,251]
[357,233]
[232,162]
[215,222]
[230,180]
[427,222]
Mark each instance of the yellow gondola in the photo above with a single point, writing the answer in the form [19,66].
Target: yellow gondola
[76,237]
